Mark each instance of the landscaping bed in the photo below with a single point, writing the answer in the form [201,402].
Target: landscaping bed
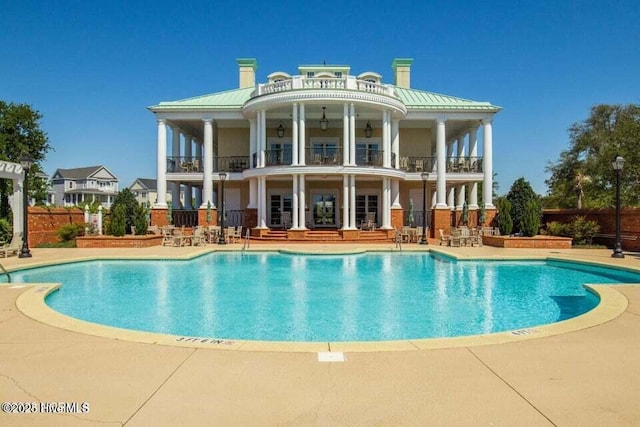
[119,242]
[535,242]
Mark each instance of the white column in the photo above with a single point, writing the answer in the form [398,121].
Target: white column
[352,202]
[253,194]
[188,189]
[395,142]
[345,202]
[198,191]
[294,140]
[461,196]
[253,145]
[175,152]
[296,207]
[302,220]
[460,146]
[451,201]
[259,203]
[301,142]
[386,140]
[473,153]
[441,184]
[487,189]
[207,154]
[352,134]
[345,137]
[161,165]
[262,200]
[262,142]
[386,203]
[395,194]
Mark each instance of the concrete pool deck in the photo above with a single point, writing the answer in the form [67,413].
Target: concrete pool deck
[587,377]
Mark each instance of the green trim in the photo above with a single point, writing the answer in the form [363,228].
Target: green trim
[247,62]
[401,62]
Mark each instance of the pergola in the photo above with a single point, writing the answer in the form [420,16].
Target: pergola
[15,172]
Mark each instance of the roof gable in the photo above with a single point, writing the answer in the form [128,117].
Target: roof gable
[98,172]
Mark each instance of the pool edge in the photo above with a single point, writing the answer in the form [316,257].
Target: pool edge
[31,303]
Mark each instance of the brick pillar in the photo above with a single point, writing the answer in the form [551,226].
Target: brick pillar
[441,219]
[251,218]
[159,217]
[490,217]
[397,220]
[202,217]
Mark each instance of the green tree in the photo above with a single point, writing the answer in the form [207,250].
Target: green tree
[519,195]
[530,221]
[583,175]
[20,135]
[140,220]
[126,199]
[118,225]
[505,223]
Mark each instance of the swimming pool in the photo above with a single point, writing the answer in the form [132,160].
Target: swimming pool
[277,297]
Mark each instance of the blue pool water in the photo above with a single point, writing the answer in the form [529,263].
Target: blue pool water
[268,296]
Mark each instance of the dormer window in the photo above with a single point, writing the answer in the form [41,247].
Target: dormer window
[338,74]
[310,74]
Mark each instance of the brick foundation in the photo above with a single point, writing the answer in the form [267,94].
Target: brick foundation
[536,242]
[441,220]
[397,218]
[159,217]
[250,218]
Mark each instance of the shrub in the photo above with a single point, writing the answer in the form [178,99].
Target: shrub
[556,228]
[505,223]
[118,226]
[69,232]
[583,231]
[140,220]
[6,230]
[530,221]
[579,229]
[127,200]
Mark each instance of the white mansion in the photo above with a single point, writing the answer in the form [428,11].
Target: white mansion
[325,149]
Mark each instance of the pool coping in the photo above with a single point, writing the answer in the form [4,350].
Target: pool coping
[31,302]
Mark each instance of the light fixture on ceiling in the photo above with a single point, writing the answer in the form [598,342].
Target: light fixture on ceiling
[368,130]
[324,123]
[280,130]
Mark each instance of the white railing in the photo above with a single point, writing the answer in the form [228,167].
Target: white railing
[348,83]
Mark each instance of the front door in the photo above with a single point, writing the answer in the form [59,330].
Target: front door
[279,203]
[324,210]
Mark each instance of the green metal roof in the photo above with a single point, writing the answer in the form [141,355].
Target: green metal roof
[413,99]
[229,99]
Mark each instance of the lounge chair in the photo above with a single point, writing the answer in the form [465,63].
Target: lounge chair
[285,220]
[12,247]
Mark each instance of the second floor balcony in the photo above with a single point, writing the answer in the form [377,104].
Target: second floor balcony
[324,156]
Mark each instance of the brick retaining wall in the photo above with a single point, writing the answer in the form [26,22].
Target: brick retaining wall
[44,223]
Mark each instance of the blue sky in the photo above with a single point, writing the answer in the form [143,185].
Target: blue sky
[92,68]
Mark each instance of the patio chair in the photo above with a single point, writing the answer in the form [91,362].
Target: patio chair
[12,247]
[167,236]
[443,239]
[369,222]
[419,165]
[198,238]
[456,238]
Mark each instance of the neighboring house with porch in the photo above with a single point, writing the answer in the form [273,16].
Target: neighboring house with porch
[328,149]
[146,192]
[72,187]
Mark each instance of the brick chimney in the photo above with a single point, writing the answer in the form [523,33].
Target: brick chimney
[402,72]
[247,71]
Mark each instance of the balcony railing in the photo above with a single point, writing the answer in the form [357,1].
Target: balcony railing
[346,83]
[195,164]
[369,157]
[457,165]
[277,157]
[327,156]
